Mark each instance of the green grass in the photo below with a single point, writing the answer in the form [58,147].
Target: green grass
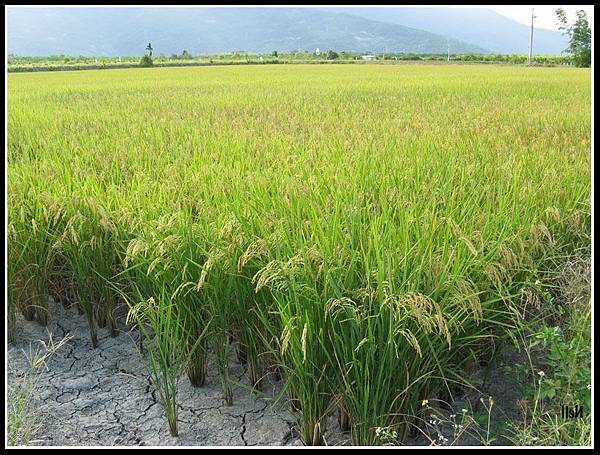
[557,341]
[366,230]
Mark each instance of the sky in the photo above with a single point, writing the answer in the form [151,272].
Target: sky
[545,16]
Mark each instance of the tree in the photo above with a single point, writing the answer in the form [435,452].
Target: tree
[185,55]
[331,55]
[149,49]
[580,36]
[146,60]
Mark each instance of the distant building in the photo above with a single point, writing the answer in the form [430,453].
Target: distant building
[368,58]
[317,51]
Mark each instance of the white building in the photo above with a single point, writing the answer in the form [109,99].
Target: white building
[368,58]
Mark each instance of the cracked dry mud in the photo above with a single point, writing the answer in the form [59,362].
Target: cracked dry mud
[104,397]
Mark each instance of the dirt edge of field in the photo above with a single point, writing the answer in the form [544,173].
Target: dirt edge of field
[103,396]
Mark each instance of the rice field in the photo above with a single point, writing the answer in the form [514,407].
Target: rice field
[365,232]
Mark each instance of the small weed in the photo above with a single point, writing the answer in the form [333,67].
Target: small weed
[22,421]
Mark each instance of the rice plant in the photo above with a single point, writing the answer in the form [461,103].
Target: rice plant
[163,345]
[365,232]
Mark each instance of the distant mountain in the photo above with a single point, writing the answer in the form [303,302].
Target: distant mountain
[126,31]
[480,26]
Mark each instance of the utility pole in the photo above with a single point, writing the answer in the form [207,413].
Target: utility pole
[531,38]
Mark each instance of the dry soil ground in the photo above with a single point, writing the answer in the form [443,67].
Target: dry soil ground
[103,397]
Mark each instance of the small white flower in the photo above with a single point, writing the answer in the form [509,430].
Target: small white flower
[541,373]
